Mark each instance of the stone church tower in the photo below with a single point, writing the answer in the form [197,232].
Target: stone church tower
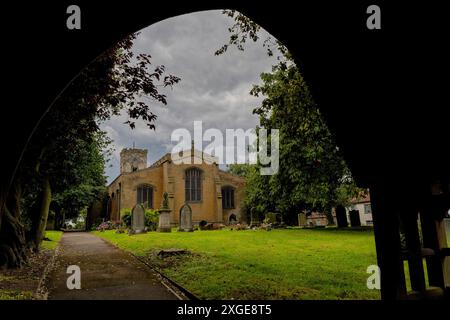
[132,160]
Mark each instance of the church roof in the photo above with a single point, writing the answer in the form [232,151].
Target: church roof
[207,158]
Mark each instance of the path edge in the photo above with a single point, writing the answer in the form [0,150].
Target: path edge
[42,291]
[179,291]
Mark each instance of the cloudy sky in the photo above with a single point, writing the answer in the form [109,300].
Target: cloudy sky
[213,89]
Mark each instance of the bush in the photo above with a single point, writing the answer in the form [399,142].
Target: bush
[151,219]
[126,217]
[96,223]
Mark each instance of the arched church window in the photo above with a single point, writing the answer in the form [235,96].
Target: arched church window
[193,184]
[228,197]
[145,196]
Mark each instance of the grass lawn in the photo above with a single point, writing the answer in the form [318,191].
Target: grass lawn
[52,243]
[258,264]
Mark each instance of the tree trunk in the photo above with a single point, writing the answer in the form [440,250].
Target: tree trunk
[13,249]
[329,214]
[40,213]
[43,213]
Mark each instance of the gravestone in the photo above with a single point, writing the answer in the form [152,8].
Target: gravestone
[302,222]
[138,219]
[186,219]
[254,218]
[164,215]
[355,221]
[341,217]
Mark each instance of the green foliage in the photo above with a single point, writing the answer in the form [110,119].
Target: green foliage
[126,217]
[348,191]
[151,219]
[245,29]
[311,167]
[242,170]
[312,172]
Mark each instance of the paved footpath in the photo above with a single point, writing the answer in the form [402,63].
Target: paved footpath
[107,272]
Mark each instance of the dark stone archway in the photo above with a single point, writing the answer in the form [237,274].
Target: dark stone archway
[378,90]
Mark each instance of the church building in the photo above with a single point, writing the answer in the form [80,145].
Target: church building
[214,195]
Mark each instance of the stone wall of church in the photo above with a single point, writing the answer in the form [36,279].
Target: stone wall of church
[207,208]
[238,184]
[171,178]
[126,187]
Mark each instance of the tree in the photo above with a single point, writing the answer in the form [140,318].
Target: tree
[312,173]
[87,184]
[55,164]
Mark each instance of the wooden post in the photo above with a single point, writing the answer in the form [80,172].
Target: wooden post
[387,241]
[432,232]
[409,218]
[442,238]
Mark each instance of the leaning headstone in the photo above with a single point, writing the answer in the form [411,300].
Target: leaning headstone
[138,219]
[164,215]
[302,221]
[186,218]
[341,217]
[355,221]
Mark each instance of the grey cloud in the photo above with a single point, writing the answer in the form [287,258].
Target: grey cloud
[213,89]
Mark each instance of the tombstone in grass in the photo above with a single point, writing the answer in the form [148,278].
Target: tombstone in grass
[341,217]
[138,219]
[186,219]
[254,218]
[302,222]
[164,215]
[355,221]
